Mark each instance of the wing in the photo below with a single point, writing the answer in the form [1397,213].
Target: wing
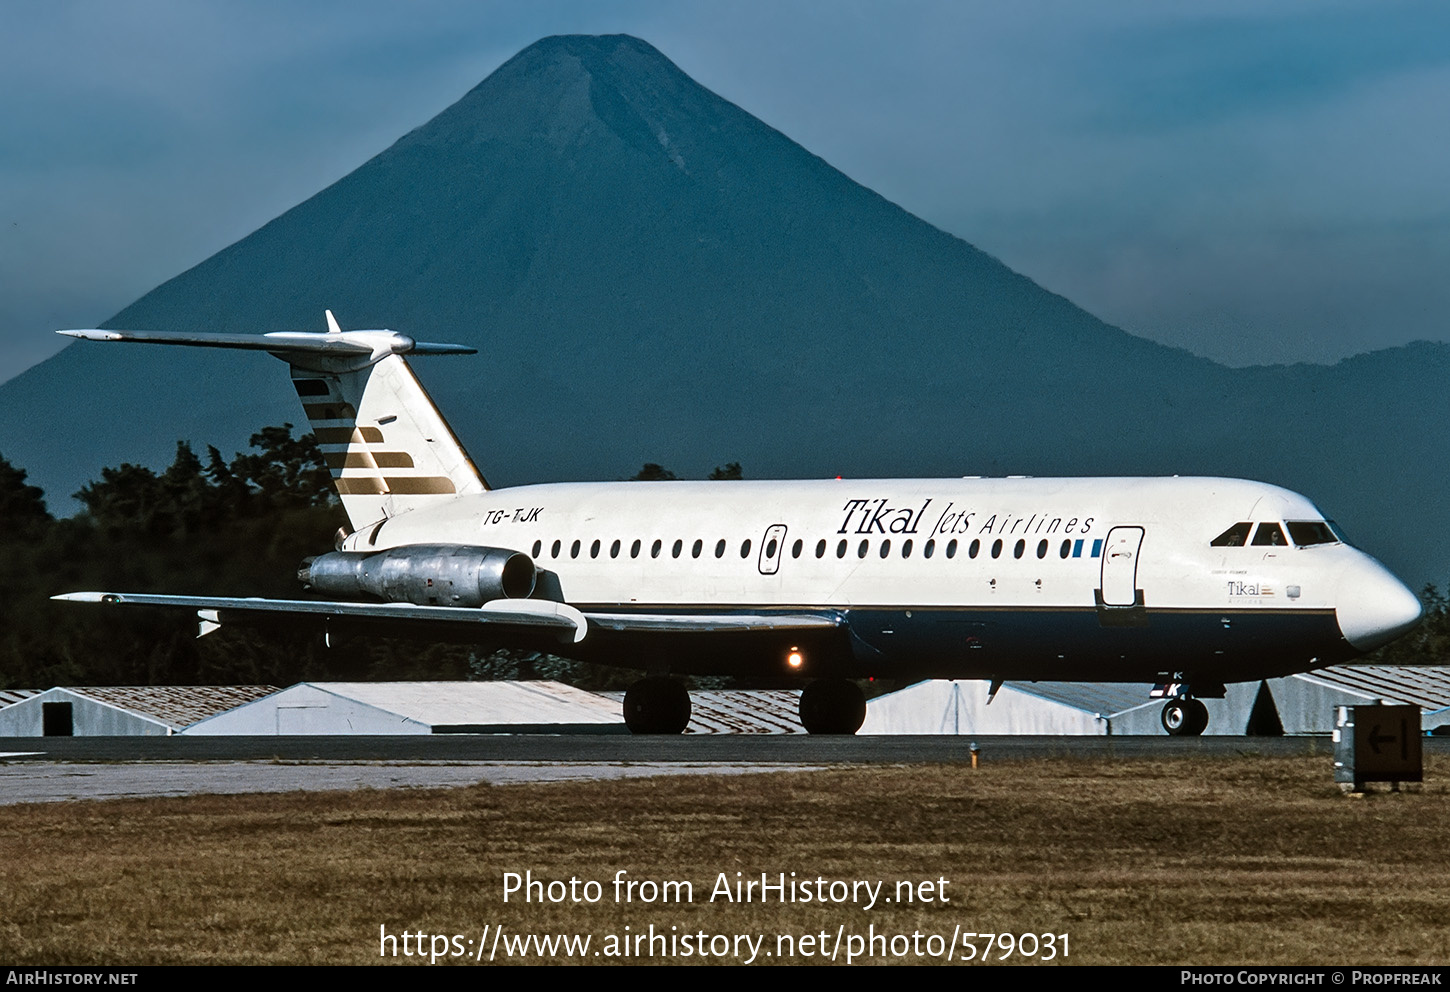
[530,614]
[686,622]
[523,614]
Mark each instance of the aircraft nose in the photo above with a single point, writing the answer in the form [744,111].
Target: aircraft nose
[1373,607]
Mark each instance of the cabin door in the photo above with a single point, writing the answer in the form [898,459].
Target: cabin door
[772,546]
[1120,566]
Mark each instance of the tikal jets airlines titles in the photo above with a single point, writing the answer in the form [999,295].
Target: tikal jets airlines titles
[1187,583]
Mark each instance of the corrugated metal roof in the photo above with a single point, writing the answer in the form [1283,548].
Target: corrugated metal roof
[1428,688]
[437,704]
[8,696]
[177,706]
[739,711]
[742,711]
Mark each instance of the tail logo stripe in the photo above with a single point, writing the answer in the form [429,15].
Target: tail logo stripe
[434,485]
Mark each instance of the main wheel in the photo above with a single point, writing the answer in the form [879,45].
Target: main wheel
[832,706]
[657,706]
[1184,717]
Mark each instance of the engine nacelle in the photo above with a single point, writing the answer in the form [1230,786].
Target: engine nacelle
[423,574]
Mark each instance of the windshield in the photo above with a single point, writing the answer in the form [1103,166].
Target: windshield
[1307,533]
[1235,537]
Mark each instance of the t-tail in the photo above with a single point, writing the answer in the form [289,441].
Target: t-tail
[386,444]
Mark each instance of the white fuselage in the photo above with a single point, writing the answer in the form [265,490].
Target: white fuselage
[1023,577]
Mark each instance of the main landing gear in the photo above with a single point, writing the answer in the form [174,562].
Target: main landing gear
[832,706]
[659,705]
[1184,716]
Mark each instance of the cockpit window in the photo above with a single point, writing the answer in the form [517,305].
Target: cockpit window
[1235,537]
[1307,533]
[1271,535]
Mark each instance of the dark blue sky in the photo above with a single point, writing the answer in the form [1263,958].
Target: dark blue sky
[1257,183]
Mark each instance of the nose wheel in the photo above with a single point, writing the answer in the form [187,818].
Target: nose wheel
[1184,717]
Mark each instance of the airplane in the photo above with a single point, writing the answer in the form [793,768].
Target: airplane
[1187,583]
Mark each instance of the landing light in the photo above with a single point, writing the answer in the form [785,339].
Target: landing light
[795,659]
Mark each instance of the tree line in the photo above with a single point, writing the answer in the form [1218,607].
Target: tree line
[204,525]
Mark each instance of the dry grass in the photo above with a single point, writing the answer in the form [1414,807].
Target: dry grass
[1247,860]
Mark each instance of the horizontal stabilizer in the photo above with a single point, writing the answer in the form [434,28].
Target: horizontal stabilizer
[567,621]
[386,444]
[373,344]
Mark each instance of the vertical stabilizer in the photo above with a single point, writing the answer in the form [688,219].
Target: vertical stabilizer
[386,444]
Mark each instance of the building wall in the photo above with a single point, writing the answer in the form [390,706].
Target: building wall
[943,707]
[1307,706]
[89,718]
[305,709]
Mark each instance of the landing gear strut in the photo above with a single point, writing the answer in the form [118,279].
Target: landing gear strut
[657,705]
[1184,716]
[832,706]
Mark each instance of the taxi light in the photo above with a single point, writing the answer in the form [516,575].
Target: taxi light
[795,659]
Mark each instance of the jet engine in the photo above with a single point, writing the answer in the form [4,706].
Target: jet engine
[423,574]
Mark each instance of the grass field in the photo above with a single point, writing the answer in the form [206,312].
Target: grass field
[1193,861]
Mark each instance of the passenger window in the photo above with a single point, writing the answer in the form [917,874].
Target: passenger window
[841,549]
[594,549]
[974,548]
[997,548]
[770,548]
[634,549]
[679,546]
[745,549]
[906,548]
[1042,548]
[861,551]
[1269,535]
[928,548]
[720,548]
[698,546]
[1307,533]
[795,549]
[886,547]
[614,549]
[554,551]
[538,546]
[952,548]
[1019,549]
[821,548]
[654,549]
[1065,550]
[1235,537]
[574,549]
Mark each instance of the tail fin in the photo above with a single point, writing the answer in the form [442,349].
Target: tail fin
[388,447]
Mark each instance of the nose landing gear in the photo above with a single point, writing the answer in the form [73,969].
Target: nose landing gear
[1184,716]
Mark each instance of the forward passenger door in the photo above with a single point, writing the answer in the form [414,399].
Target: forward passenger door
[1120,566]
